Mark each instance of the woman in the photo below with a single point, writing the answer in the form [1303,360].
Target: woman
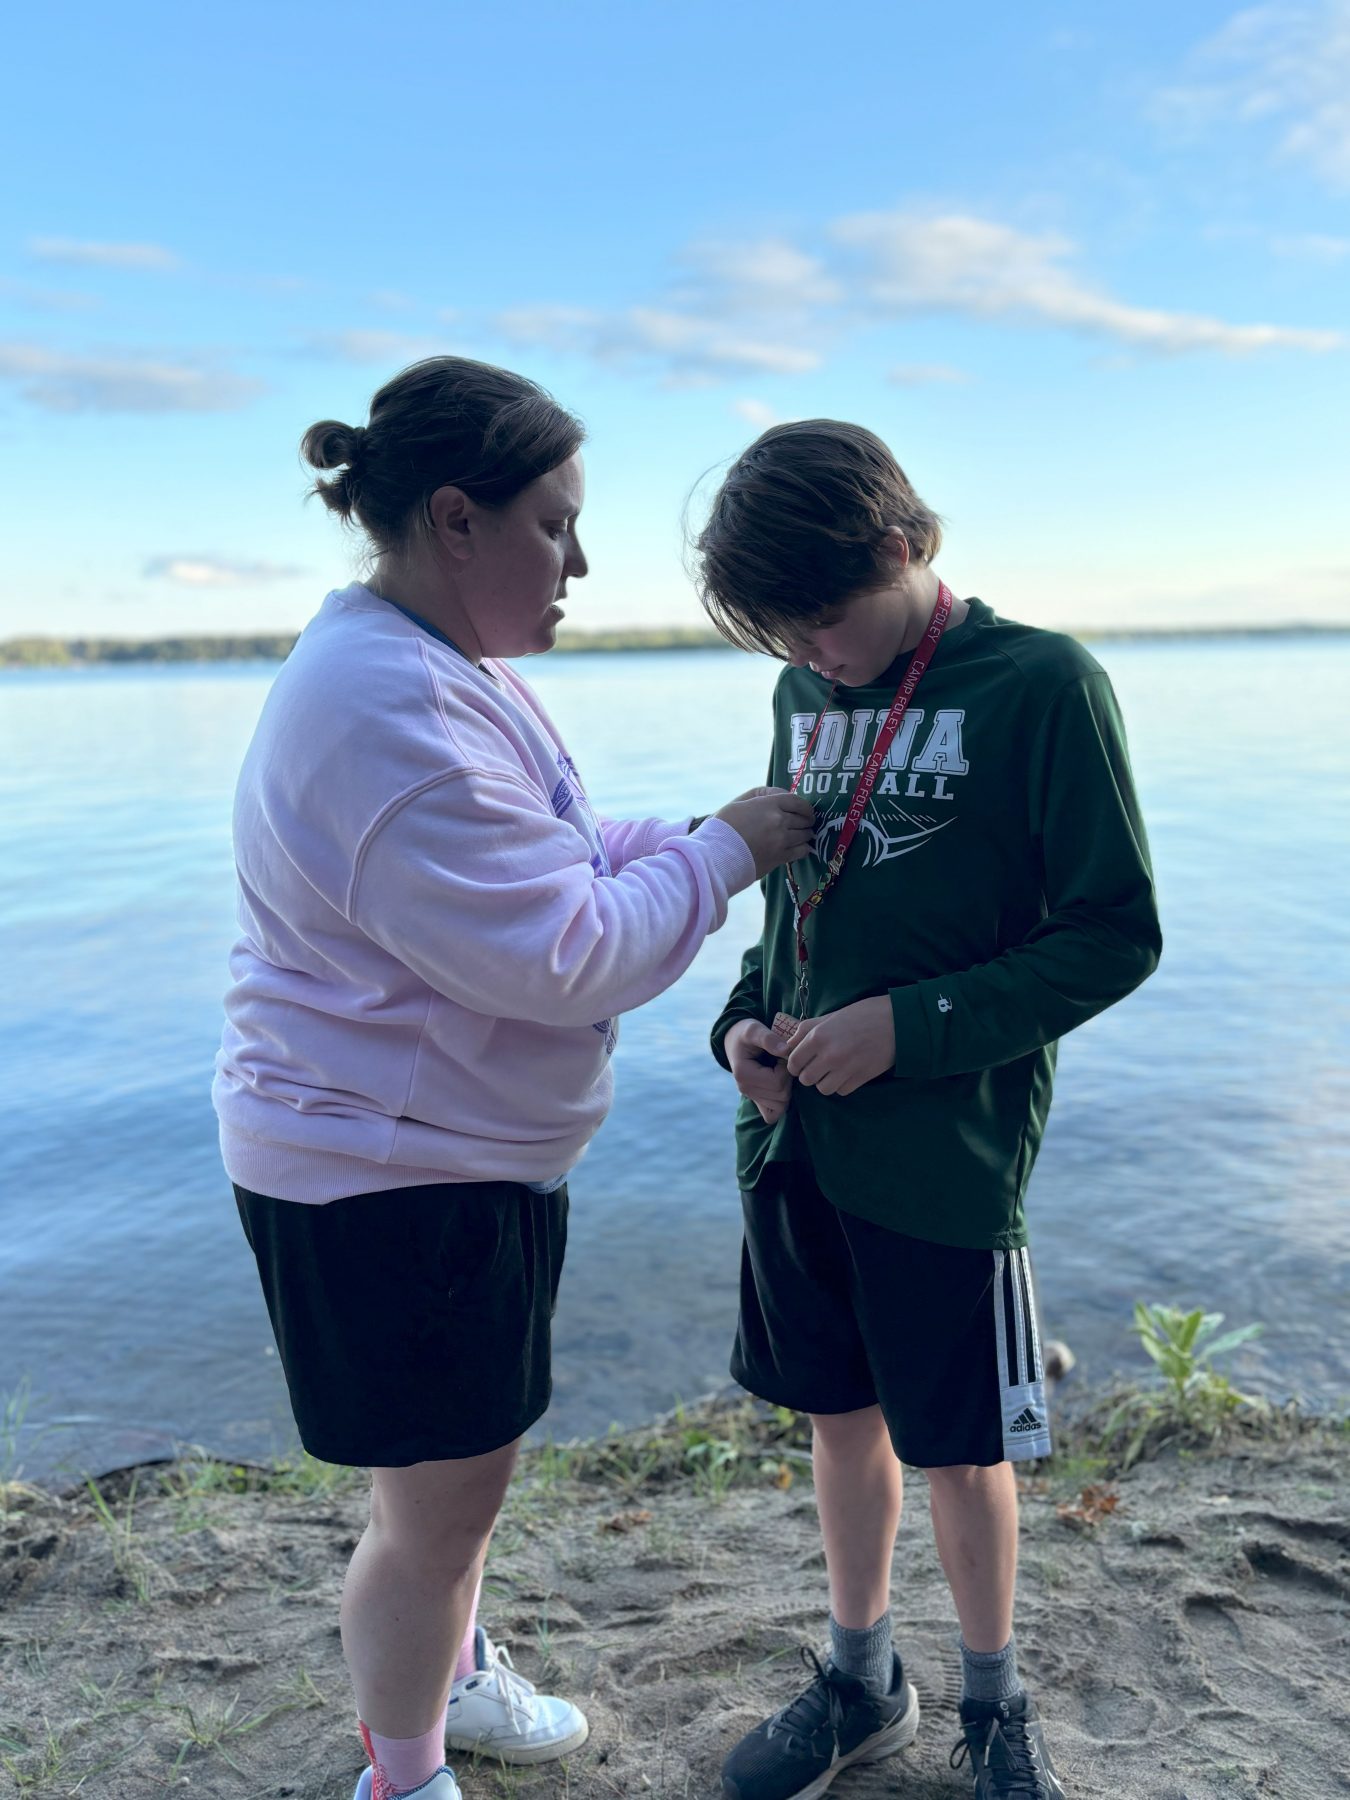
[980,887]
[436,936]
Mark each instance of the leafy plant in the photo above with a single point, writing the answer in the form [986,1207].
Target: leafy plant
[1196,1403]
[1183,1345]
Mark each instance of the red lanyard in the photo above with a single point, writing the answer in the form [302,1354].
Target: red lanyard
[862,792]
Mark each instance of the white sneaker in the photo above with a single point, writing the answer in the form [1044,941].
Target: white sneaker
[496,1712]
[442,1786]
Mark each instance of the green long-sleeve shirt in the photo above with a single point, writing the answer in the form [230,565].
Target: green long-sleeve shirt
[998,891]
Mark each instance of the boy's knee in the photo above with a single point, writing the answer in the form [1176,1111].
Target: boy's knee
[964,1476]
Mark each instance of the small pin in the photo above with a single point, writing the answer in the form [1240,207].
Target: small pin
[785,1026]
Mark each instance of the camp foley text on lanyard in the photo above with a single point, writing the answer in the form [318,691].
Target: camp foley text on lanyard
[862,793]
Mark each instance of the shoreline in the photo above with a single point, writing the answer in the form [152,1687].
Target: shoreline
[37,652]
[1182,1622]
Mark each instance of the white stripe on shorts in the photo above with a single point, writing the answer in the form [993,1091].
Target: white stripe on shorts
[1026,1419]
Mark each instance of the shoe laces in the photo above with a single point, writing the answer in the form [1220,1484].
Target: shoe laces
[820,1704]
[1010,1756]
[516,1691]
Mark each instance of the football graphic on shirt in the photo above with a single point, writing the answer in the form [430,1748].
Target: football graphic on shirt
[882,835]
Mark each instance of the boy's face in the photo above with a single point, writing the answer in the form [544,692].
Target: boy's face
[856,643]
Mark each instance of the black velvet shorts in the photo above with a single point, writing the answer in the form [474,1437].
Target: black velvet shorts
[414,1325]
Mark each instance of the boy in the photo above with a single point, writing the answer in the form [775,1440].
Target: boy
[981,885]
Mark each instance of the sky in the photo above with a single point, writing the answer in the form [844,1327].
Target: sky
[1087,270]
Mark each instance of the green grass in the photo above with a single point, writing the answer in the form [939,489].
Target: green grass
[216,1724]
[14,1410]
[134,1567]
[32,1765]
[198,1478]
[13,1414]
[54,1756]
[551,1465]
[301,1477]
[217,1727]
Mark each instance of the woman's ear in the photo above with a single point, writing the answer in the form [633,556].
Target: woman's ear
[448,513]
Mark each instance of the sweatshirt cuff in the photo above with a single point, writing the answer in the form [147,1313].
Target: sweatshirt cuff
[915,1046]
[730,854]
[661,832]
[718,1039]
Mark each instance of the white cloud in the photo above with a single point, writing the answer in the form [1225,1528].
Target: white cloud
[960,264]
[755,412]
[767,307]
[375,346]
[1287,67]
[46,299]
[684,344]
[767,275]
[58,382]
[151,257]
[556,327]
[921,374]
[1312,246]
[216,571]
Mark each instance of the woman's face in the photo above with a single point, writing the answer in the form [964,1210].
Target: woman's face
[524,553]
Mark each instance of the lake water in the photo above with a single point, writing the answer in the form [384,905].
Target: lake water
[1199,1150]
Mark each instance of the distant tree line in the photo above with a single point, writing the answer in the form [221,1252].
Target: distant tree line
[50,653]
[69,653]
[74,653]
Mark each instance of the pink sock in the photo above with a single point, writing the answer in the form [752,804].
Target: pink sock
[468,1661]
[400,1764]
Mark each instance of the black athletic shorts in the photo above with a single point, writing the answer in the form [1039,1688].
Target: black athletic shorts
[414,1325]
[838,1313]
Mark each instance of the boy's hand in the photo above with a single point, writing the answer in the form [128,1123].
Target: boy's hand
[767,1084]
[845,1049]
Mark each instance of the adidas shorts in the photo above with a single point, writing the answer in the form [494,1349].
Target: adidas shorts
[414,1324]
[838,1313]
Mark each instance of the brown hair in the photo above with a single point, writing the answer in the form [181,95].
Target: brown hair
[796,529]
[445,422]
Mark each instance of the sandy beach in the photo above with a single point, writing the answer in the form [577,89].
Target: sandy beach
[1185,1626]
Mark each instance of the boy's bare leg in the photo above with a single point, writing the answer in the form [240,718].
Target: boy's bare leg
[858,1495]
[975,1523]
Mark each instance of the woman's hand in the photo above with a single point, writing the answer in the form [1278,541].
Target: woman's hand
[777,826]
[767,1084]
[842,1051]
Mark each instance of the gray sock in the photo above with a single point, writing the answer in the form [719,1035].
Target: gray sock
[864,1653]
[990,1675]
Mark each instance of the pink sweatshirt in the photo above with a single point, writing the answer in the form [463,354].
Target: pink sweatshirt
[436,930]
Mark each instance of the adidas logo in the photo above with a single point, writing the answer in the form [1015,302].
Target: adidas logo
[1027,1420]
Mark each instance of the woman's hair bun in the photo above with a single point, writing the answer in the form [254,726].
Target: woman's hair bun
[331,444]
[442,422]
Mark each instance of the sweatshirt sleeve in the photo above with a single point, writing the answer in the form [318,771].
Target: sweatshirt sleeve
[473,884]
[1099,936]
[627,839]
[745,1001]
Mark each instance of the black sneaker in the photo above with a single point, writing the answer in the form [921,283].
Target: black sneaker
[1005,1742]
[838,1721]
